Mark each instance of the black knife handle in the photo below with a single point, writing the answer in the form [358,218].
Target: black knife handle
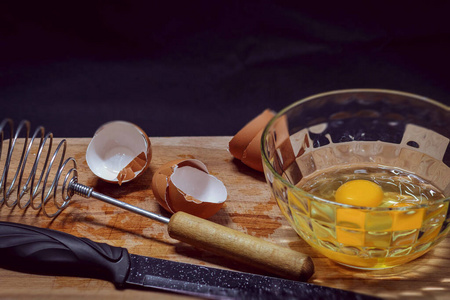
[46,251]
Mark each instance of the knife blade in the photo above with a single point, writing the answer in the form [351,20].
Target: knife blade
[45,251]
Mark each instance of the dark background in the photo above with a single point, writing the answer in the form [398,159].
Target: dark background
[207,67]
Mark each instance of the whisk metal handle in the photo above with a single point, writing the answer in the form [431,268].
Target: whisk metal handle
[87,192]
[40,250]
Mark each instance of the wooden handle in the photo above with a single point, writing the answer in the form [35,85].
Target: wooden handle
[241,247]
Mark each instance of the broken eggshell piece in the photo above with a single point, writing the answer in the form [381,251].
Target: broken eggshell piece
[245,145]
[119,152]
[186,185]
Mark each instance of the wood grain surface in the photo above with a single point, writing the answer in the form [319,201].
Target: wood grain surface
[249,208]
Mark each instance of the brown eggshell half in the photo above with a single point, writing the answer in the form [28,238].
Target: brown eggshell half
[252,154]
[160,181]
[119,152]
[191,177]
[195,192]
[242,139]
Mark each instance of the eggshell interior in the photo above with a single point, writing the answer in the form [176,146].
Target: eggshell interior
[133,168]
[195,192]
[117,146]
[198,186]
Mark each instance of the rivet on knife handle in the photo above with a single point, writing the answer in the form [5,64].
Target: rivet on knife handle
[241,247]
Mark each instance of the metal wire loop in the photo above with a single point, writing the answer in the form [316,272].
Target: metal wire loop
[35,180]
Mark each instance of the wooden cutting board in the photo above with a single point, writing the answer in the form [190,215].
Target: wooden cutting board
[249,208]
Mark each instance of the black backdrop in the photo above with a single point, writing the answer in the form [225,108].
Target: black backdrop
[207,67]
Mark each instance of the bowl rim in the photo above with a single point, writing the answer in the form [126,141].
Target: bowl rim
[269,166]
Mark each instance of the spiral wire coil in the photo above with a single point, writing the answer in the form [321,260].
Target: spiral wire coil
[37,183]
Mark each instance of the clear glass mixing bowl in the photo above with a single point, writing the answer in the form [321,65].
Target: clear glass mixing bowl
[361,130]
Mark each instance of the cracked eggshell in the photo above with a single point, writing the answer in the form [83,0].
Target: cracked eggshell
[245,145]
[160,180]
[252,154]
[185,185]
[119,152]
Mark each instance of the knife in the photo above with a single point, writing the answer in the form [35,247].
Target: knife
[45,251]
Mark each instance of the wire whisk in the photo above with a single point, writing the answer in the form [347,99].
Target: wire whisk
[39,178]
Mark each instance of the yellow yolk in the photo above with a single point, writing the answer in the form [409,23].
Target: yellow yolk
[360,193]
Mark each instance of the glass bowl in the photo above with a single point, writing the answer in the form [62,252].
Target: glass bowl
[397,140]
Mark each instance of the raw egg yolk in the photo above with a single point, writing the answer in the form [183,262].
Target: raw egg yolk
[360,193]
